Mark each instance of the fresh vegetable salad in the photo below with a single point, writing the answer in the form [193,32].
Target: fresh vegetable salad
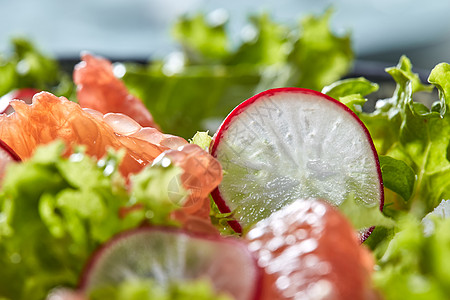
[249,171]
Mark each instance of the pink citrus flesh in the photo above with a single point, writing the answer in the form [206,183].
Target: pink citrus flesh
[292,143]
[310,251]
[168,256]
[49,118]
[99,89]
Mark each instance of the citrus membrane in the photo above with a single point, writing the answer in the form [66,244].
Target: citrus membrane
[168,256]
[291,143]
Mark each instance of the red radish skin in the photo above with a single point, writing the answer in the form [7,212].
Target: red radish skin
[221,202]
[25,94]
[257,275]
[7,155]
[13,155]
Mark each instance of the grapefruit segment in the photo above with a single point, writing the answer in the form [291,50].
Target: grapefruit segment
[99,89]
[308,250]
[291,143]
[201,175]
[50,117]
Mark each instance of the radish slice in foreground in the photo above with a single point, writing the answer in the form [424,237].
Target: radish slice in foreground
[291,143]
[169,256]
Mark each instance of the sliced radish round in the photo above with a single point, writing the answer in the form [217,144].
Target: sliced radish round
[169,256]
[291,143]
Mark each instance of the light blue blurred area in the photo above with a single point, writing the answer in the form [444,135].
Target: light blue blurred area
[382,30]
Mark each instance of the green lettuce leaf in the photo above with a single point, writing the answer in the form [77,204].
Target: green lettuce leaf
[29,68]
[415,266]
[160,191]
[195,88]
[397,176]
[319,56]
[351,92]
[203,42]
[55,211]
[266,44]
[362,216]
[414,136]
[202,139]
[421,139]
[439,78]
[412,141]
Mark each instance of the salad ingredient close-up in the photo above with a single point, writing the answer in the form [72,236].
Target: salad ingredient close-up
[253,172]
[288,144]
[169,257]
[309,251]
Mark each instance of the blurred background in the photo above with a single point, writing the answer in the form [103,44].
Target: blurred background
[381,30]
[192,61]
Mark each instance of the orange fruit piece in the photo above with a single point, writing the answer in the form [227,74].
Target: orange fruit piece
[99,89]
[202,173]
[308,250]
[49,118]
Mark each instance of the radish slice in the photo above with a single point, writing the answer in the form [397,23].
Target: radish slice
[169,256]
[291,143]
